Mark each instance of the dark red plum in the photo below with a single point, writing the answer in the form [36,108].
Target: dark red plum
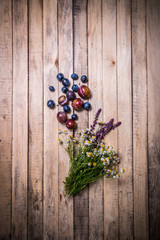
[70,124]
[77,104]
[62,117]
[84,92]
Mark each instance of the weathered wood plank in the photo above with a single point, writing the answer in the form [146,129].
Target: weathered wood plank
[96,216]
[110,111]
[65,28]
[35,121]
[125,115]
[153,72]
[81,200]
[5,117]
[20,120]
[139,120]
[50,218]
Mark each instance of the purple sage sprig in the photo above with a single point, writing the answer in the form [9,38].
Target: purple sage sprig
[106,129]
[92,127]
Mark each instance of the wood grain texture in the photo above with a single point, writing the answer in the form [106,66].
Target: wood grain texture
[81,200]
[139,120]
[109,9]
[5,118]
[20,120]
[65,29]
[116,43]
[50,199]
[35,121]
[125,116]
[96,215]
[153,72]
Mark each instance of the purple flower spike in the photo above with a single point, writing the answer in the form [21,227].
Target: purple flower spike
[92,127]
[116,125]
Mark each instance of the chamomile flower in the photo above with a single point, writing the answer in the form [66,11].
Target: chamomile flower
[79,145]
[89,164]
[93,138]
[89,154]
[88,143]
[102,159]
[65,132]
[60,141]
[104,152]
[84,130]
[117,176]
[59,131]
[95,151]
[67,140]
[94,164]
[75,140]
[101,150]
[122,170]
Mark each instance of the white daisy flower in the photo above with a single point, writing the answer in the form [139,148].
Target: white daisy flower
[88,143]
[117,176]
[59,131]
[89,154]
[60,141]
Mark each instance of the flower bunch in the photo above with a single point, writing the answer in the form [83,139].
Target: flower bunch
[90,158]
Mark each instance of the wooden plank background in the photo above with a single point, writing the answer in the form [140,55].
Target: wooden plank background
[116,43]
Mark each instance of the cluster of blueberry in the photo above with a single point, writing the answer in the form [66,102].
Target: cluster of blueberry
[77,103]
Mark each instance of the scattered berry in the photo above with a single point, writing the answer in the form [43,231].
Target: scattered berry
[87,105]
[51,88]
[63,100]
[77,104]
[71,124]
[65,82]
[64,89]
[74,117]
[71,95]
[84,78]
[75,88]
[60,76]
[66,108]
[62,117]
[50,104]
[84,92]
[74,76]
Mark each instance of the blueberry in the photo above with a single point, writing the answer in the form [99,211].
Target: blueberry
[84,78]
[74,117]
[65,82]
[75,88]
[87,105]
[66,108]
[50,104]
[64,89]
[74,76]
[51,88]
[60,76]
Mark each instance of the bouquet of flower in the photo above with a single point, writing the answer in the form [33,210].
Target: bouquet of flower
[90,158]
